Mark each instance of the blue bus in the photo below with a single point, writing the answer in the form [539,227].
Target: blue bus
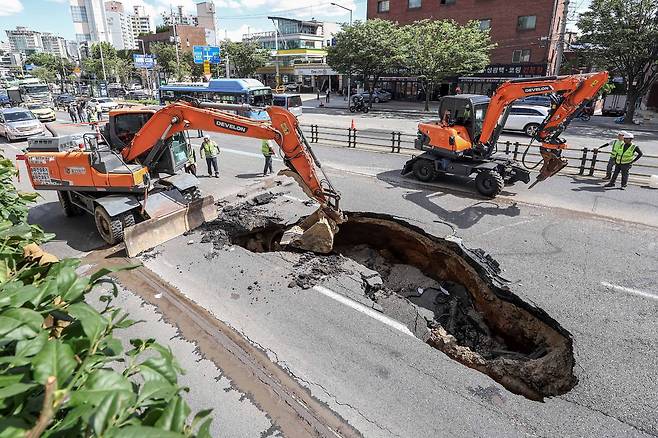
[235,91]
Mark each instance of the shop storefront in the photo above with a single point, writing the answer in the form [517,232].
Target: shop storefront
[495,74]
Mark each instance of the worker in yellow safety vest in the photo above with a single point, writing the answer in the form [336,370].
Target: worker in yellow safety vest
[267,151]
[628,154]
[616,145]
[210,151]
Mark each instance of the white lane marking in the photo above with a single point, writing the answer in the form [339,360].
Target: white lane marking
[364,309]
[630,290]
[247,154]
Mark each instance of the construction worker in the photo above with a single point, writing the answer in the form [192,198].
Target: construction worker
[92,116]
[616,145]
[210,151]
[73,113]
[190,167]
[628,154]
[267,151]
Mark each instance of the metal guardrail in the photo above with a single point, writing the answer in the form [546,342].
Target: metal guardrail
[585,161]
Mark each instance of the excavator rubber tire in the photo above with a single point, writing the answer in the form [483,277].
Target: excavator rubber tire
[192,194]
[70,209]
[489,183]
[128,220]
[109,227]
[424,170]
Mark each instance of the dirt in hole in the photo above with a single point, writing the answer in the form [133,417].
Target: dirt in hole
[449,296]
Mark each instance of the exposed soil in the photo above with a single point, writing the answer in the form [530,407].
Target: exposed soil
[450,297]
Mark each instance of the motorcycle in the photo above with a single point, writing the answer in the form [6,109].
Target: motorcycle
[359,104]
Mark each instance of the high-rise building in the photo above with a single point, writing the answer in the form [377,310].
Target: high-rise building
[178,17]
[24,40]
[54,44]
[89,20]
[205,12]
[119,26]
[141,22]
[73,50]
[5,46]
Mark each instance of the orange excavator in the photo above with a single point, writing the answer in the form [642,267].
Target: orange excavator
[128,176]
[463,141]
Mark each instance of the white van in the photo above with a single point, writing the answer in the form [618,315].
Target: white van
[291,102]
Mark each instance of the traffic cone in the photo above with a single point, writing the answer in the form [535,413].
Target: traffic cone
[353,126]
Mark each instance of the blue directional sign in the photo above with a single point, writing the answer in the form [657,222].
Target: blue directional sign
[206,53]
[143,61]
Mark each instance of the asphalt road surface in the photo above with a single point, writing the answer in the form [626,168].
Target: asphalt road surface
[584,255]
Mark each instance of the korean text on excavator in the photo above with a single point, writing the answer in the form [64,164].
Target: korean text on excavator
[128,176]
[463,141]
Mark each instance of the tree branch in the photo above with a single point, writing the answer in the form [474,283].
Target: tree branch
[47,410]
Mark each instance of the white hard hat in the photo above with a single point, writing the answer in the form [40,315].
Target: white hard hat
[628,135]
[622,133]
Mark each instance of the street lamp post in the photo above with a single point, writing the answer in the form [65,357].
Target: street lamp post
[349,75]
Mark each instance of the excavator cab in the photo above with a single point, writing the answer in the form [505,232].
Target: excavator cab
[467,110]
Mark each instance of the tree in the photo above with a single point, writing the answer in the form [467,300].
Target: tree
[622,36]
[50,67]
[440,49]
[166,56]
[94,65]
[370,49]
[45,74]
[245,57]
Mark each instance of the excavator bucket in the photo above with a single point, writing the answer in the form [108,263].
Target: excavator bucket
[552,165]
[161,228]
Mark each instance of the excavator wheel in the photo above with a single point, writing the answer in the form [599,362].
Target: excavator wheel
[70,209]
[424,170]
[489,183]
[109,227]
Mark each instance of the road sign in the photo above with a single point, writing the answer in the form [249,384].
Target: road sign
[206,70]
[143,61]
[77,72]
[206,53]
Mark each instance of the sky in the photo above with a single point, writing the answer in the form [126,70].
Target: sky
[235,17]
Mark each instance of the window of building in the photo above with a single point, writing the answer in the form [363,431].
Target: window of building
[383,6]
[527,22]
[485,24]
[79,14]
[448,2]
[414,4]
[522,55]
[82,37]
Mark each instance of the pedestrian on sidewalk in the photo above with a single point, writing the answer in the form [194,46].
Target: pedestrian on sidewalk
[628,154]
[73,113]
[190,166]
[267,151]
[328,94]
[617,144]
[210,151]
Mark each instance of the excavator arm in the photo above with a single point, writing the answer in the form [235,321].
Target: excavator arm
[569,93]
[283,128]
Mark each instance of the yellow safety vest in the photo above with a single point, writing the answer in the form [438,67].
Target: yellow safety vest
[617,147]
[210,149]
[265,148]
[625,156]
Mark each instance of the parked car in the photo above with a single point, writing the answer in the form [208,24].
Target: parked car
[106,104]
[535,101]
[43,112]
[526,118]
[64,99]
[377,96]
[137,95]
[19,123]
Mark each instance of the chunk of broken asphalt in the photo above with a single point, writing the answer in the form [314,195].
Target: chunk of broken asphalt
[262,199]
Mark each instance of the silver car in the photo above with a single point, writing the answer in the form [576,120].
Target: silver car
[19,123]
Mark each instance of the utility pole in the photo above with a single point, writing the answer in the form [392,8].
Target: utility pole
[100,48]
[173,23]
[559,52]
[276,51]
[227,63]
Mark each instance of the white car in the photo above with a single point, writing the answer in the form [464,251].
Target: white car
[106,104]
[526,118]
[19,123]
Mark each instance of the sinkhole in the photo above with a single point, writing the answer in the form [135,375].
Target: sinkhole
[467,311]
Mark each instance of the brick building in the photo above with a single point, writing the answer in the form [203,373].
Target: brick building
[526,32]
[188,36]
